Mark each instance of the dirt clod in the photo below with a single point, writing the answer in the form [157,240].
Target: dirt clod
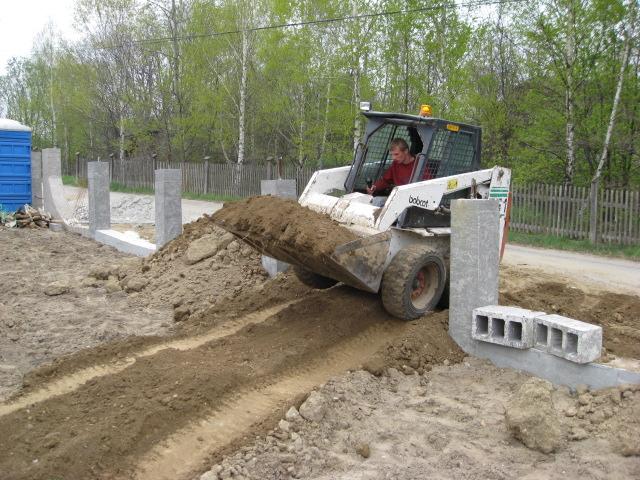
[56,288]
[531,417]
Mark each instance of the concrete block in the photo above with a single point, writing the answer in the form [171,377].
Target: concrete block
[168,207]
[565,337]
[507,326]
[99,201]
[278,188]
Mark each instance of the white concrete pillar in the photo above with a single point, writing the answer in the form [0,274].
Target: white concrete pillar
[168,183]
[99,202]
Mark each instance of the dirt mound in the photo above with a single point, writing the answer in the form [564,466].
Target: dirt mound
[424,343]
[189,274]
[284,229]
[618,314]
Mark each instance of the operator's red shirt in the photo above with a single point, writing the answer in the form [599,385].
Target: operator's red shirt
[399,174]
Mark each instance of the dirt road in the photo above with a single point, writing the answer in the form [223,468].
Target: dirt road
[614,274]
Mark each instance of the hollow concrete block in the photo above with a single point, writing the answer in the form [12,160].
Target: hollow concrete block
[503,325]
[570,339]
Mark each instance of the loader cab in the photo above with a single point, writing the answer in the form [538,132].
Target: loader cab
[442,148]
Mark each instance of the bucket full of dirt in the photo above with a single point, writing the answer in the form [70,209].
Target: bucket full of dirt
[285,230]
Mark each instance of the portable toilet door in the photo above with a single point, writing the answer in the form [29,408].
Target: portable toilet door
[15,165]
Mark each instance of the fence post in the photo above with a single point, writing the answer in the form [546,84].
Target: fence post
[206,174]
[112,168]
[593,213]
[269,168]
[77,166]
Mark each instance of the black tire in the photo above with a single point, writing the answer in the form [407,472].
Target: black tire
[313,280]
[413,283]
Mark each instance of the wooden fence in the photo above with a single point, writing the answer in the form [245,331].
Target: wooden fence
[224,180]
[564,211]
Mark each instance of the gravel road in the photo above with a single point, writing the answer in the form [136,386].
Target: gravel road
[139,208]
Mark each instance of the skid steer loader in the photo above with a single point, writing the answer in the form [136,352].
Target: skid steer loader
[403,249]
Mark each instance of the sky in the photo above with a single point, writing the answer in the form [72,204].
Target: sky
[22,20]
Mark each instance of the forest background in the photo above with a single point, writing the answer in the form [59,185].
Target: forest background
[243,82]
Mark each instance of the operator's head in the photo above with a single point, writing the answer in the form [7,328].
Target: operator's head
[400,151]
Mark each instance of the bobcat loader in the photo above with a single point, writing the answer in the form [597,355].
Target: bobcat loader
[403,249]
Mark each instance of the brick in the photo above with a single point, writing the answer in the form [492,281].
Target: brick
[507,326]
[565,337]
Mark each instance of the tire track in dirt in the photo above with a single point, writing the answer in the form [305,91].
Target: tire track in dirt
[184,454]
[72,382]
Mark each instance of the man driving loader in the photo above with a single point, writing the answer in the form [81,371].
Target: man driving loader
[399,173]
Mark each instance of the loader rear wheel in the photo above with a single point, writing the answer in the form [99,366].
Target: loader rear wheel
[413,282]
[313,280]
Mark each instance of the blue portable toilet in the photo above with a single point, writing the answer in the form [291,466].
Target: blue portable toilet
[15,165]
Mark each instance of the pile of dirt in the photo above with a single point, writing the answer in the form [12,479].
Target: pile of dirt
[285,230]
[191,273]
[448,423]
[618,314]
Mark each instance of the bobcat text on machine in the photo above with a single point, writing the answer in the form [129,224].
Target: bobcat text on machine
[403,252]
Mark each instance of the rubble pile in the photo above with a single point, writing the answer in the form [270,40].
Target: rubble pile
[26,217]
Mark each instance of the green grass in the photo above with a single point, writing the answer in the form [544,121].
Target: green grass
[118,187]
[631,252]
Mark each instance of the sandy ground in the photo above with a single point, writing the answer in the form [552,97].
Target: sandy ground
[47,311]
[188,360]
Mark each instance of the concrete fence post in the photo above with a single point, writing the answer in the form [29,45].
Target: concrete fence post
[475,257]
[277,188]
[168,198]
[99,202]
[37,199]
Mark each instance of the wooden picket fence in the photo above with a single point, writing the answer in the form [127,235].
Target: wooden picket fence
[566,211]
[563,211]
[224,180]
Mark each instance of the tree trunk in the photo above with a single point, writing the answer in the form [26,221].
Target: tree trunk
[628,36]
[243,98]
[569,97]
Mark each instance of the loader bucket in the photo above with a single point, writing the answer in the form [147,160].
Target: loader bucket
[359,263]
[287,231]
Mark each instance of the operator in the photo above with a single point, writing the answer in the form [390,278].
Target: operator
[399,173]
